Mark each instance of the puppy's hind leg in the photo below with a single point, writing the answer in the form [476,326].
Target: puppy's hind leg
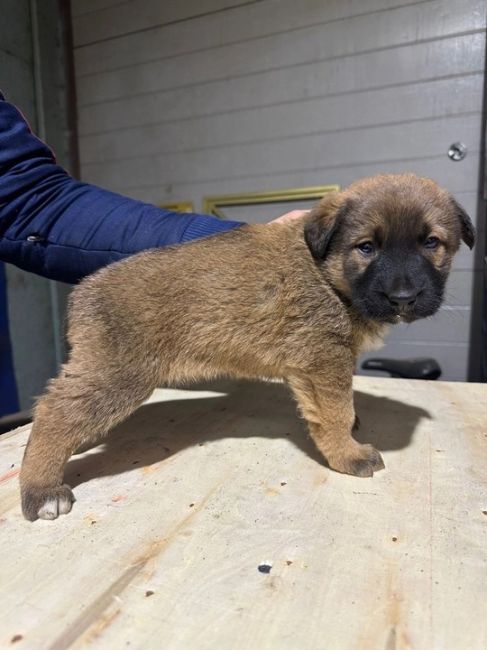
[80,405]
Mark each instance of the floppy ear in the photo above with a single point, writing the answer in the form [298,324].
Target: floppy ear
[466,225]
[323,223]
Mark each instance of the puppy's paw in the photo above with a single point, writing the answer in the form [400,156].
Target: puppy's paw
[362,460]
[46,503]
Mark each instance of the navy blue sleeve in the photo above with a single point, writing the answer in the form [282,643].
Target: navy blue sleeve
[60,228]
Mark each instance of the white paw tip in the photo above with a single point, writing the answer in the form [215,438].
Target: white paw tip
[49,510]
[54,507]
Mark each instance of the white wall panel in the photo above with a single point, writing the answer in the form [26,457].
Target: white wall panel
[248,57]
[294,152]
[313,116]
[446,326]
[115,20]
[350,76]
[291,20]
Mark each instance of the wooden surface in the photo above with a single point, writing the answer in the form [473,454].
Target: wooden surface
[180,506]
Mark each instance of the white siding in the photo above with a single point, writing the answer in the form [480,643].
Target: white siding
[181,100]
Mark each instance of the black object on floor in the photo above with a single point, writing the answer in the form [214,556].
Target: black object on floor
[420,368]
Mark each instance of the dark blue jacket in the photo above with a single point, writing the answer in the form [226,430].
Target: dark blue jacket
[58,227]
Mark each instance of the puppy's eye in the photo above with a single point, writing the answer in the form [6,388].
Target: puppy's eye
[431,243]
[366,247]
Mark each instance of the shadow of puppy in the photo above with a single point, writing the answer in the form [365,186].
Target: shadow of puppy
[159,430]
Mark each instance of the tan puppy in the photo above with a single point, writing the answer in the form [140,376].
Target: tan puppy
[297,301]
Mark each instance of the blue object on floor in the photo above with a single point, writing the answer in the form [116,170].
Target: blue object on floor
[9,402]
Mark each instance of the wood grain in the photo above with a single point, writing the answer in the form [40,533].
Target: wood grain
[177,510]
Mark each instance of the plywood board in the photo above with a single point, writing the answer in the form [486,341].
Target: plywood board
[180,506]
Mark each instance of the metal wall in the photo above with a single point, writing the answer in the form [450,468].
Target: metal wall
[180,100]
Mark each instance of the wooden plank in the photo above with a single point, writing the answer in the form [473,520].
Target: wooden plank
[228,480]
[366,25]
[114,21]
[410,64]
[311,116]
[372,145]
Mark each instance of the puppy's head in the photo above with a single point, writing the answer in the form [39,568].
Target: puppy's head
[386,244]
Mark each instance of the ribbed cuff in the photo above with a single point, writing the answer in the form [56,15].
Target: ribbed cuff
[203,226]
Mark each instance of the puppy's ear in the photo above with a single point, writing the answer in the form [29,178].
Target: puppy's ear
[466,225]
[323,223]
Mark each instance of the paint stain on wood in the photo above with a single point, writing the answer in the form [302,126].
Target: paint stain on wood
[474,425]
[105,621]
[271,491]
[8,475]
[148,469]
[94,615]
[320,478]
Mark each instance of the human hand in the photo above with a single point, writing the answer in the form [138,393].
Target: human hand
[290,216]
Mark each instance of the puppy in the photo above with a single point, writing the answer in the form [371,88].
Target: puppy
[296,302]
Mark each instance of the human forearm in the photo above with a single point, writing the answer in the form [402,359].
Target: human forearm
[58,227]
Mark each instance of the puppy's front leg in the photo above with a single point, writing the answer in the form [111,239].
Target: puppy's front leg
[326,401]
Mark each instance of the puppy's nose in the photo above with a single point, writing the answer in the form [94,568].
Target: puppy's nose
[403,298]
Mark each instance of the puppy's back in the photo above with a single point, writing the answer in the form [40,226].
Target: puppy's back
[229,300]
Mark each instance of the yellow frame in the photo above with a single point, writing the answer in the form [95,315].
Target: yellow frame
[213,204]
[180,206]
